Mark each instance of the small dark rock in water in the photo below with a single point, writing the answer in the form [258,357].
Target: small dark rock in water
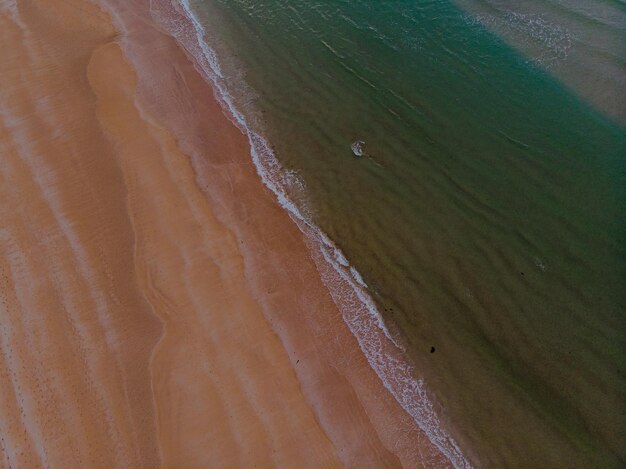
[432,350]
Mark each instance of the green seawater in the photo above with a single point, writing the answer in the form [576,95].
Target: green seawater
[487,216]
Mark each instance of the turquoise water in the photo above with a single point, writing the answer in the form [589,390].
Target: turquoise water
[487,214]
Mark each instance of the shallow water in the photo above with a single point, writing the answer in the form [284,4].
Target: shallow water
[484,207]
[582,43]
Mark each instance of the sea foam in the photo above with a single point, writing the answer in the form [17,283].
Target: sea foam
[346,286]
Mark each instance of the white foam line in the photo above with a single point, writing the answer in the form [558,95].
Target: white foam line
[350,294]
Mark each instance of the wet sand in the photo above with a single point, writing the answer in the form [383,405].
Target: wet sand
[158,307]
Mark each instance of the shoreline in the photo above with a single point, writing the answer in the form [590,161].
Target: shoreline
[192,277]
[384,350]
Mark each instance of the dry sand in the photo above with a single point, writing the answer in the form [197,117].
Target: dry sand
[158,308]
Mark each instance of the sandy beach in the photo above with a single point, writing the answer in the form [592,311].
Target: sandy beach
[158,307]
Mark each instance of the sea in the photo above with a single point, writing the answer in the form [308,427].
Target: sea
[459,171]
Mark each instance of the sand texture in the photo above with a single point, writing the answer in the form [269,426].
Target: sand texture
[158,308]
